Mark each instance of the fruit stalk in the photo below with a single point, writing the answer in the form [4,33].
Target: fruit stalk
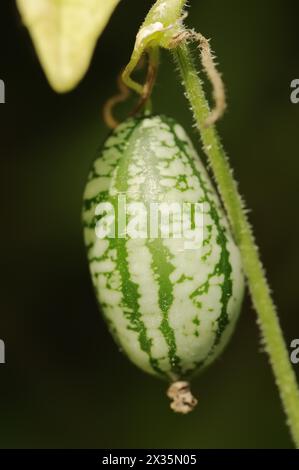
[268,321]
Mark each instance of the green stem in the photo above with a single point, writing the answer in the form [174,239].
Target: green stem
[258,286]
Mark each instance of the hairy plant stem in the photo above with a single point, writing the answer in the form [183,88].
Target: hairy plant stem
[267,316]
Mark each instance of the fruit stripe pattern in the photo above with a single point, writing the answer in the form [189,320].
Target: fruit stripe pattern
[171,309]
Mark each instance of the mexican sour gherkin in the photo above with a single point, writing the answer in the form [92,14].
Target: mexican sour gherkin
[165,268]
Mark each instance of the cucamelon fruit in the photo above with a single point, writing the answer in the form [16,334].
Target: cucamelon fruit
[171,301]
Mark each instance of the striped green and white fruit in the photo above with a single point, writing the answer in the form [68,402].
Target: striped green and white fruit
[170,305]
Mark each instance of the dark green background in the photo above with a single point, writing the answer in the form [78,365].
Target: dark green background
[65,384]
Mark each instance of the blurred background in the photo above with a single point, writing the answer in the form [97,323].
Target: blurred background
[65,385]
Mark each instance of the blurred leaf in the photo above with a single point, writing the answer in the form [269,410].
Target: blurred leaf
[65,33]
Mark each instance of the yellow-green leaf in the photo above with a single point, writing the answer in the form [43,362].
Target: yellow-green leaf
[65,33]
